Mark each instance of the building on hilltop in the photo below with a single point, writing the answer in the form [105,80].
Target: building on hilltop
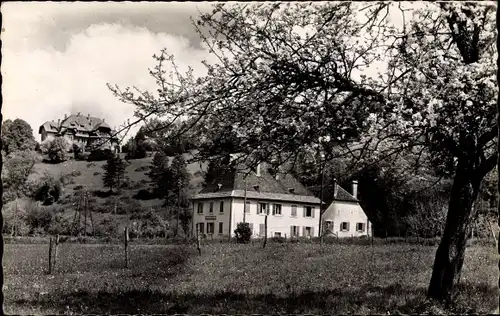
[85,131]
[292,210]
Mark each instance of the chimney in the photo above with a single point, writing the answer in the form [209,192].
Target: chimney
[334,188]
[58,122]
[258,170]
[65,116]
[355,188]
[88,116]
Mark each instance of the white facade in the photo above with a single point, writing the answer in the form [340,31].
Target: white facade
[284,218]
[346,219]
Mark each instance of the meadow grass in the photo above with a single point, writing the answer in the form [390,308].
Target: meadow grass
[234,278]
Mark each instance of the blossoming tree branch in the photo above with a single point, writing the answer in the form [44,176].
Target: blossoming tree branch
[344,79]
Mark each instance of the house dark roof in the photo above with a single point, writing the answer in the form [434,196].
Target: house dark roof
[340,194]
[78,123]
[265,186]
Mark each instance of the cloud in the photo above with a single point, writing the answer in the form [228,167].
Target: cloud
[43,82]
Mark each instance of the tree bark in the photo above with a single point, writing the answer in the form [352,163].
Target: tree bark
[450,253]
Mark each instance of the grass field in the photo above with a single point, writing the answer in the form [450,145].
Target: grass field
[233,278]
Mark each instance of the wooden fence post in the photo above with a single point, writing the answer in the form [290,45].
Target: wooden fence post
[265,232]
[50,255]
[198,242]
[125,240]
[55,251]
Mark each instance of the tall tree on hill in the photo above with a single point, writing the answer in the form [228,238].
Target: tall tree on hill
[17,135]
[179,184]
[160,175]
[114,171]
[290,79]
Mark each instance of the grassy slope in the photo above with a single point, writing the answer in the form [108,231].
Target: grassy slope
[231,278]
[91,178]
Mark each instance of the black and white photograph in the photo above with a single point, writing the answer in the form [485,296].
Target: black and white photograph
[319,158]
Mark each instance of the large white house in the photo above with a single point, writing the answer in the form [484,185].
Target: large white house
[292,210]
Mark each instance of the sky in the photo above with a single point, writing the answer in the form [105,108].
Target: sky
[58,57]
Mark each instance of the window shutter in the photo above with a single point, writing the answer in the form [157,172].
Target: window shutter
[303,231]
[291,231]
[348,226]
[261,229]
[304,211]
[259,205]
[312,231]
[274,209]
[312,212]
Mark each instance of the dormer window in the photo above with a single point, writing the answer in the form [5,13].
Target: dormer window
[291,190]
[256,187]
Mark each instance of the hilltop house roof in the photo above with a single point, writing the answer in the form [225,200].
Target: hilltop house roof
[266,186]
[80,124]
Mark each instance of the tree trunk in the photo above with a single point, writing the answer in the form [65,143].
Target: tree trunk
[450,253]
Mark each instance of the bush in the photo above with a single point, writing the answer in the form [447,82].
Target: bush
[39,218]
[100,155]
[243,233]
[106,228]
[59,225]
[148,224]
[49,191]
[143,195]
[56,149]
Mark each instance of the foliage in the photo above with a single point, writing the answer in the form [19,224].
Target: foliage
[180,176]
[14,218]
[49,190]
[16,169]
[149,224]
[160,175]
[291,79]
[56,149]
[114,171]
[39,218]
[17,135]
[136,147]
[100,155]
[243,232]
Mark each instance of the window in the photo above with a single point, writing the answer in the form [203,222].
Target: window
[200,208]
[261,230]
[211,209]
[309,211]
[221,225]
[262,209]
[294,231]
[221,207]
[344,226]
[201,227]
[277,234]
[276,209]
[328,226]
[360,227]
[210,228]
[308,231]
[294,210]
[247,208]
